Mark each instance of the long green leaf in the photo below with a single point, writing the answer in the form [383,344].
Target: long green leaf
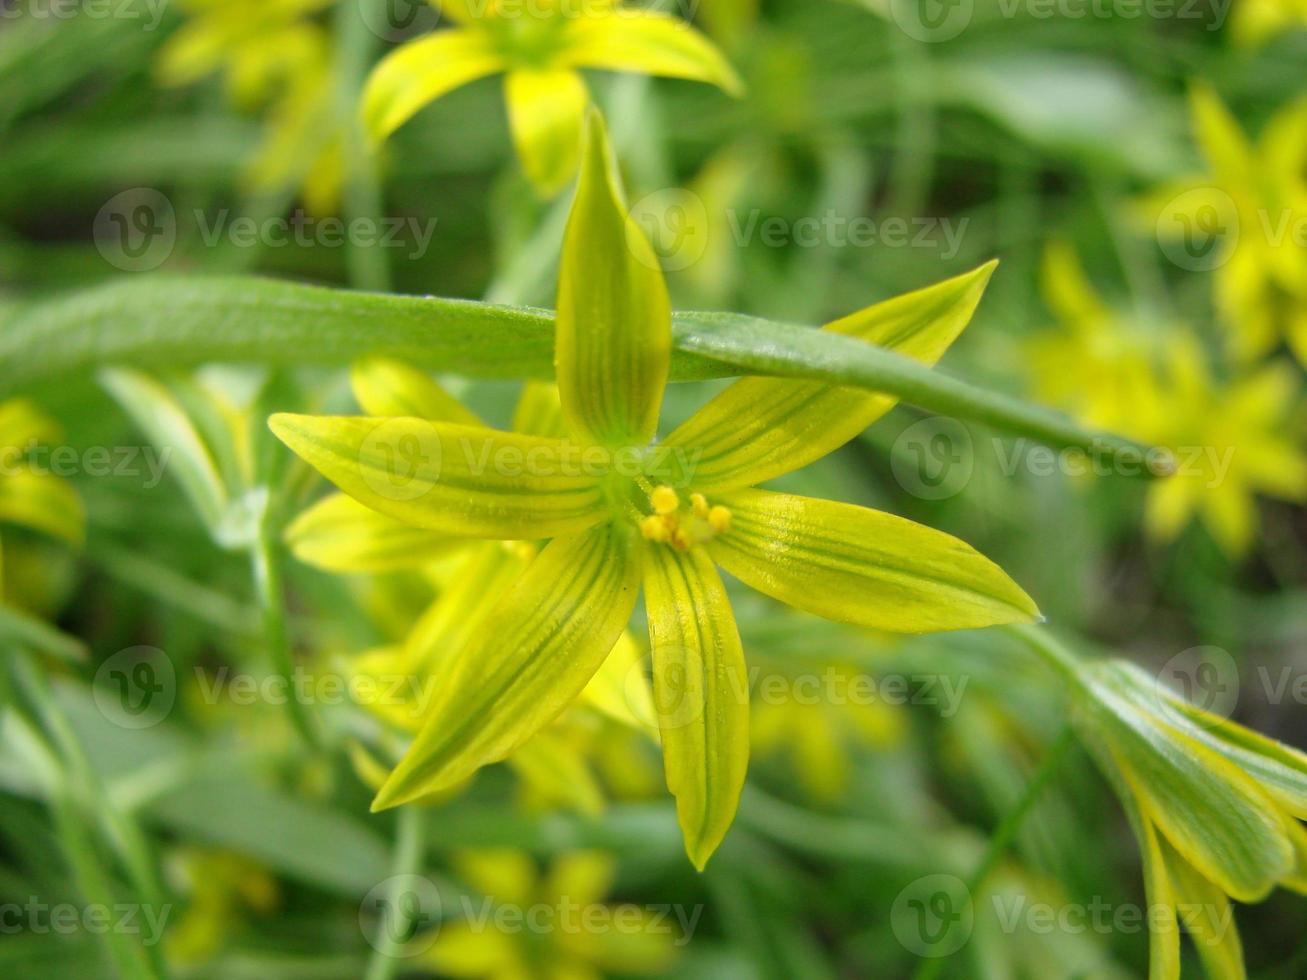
[176,321]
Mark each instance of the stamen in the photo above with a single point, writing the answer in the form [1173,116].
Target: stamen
[683,529]
[665,501]
[719,518]
[700,504]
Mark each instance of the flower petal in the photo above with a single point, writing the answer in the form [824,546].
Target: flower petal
[546,110]
[456,479]
[701,694]
[388,388]
[1208,917]
[22,425]
[545,640]
[761,428]
[614,341]
[861,566]
[420,72]
[649,42]
[43,502]
[339,534]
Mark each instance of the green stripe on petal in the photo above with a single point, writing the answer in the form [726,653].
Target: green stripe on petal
[388,389]
[761,428]
[420,72]
[536,652]
[614,322]
[546,111]
[649,42]
[864,567]
[701,694]
[340,534]
[460,480]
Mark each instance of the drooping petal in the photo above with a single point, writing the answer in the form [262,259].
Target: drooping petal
[389,389]
[43,502]
[546,110]
[535,653]
[1208,917]
[649,42]
[420,72]
[864,567]
[1067,289]
[1159,889]
[761,428]
[620,689]
[554,773]
[339,534]
[460,480]
[1223,143]
[701,694]
[614,317]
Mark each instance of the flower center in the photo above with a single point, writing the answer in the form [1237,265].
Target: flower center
[683,527]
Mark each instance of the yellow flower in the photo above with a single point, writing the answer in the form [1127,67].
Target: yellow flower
[223,887]
[620,508]
[1217,808]
[1254,22]
[551,922]
[1244,219]
[540,45]
[30,495]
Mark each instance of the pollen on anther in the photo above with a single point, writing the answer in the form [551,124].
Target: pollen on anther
[719,518]
[700,504]
[664,500]
[654,528]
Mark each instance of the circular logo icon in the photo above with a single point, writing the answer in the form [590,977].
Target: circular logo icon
[400,916]
[401,459]
[392,20]
[933,916]
[1197,230]
[678,694]
[136,687]
[1207,677]
[675,222]
[136,230]
[933,459]
[932,21]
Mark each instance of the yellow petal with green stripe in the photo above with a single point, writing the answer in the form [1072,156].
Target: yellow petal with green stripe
[1207,916]
[546,112]
[339,534]
[864,567]
[701,694]
[420,72]
[649,42]
[43,502]
[535,653]
[389,389]
[761,428]
[460,480]
[614,333]
[539,412]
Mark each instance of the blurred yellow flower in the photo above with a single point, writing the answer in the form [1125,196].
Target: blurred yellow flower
[223,889]
[1254,22]
[540,45]
[548,926]
[1246,220]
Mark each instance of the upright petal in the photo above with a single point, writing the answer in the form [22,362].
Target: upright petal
[614,317]
[863,567]
[529,661]
[649,42]
[388,388]
[701,694]
[546,110]
[420,72]
[457,479]
[761,428]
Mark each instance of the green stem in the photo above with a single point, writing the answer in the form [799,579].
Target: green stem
[183,321]
[1005,834]
[1051,651]
[410,852]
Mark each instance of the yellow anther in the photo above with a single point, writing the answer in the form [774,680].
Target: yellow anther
[655,528]
[682,540]
[700,504]
[664,500]
[719,519]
